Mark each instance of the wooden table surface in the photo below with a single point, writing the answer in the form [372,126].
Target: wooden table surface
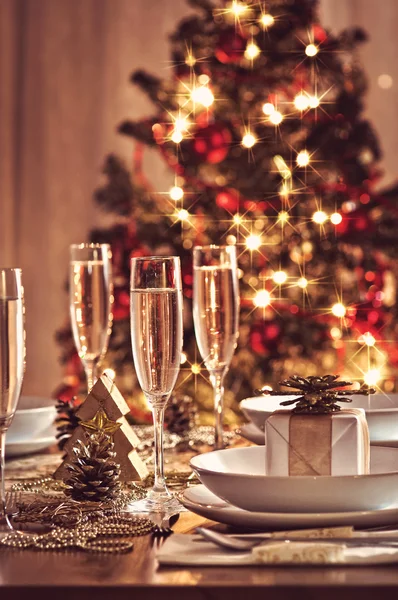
[60,575]
[26,574]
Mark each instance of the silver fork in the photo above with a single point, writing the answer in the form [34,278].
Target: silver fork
[11,501]
[233,543]
[163,531]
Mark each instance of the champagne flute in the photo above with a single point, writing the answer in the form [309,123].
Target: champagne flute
[91,299]
[156,339]
[216,317]
[12,363]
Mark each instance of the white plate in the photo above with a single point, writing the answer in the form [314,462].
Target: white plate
[33,417]
[23,447]
[252,433]
[237,475]
[202,502]
[381,412]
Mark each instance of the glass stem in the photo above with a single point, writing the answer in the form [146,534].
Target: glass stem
[90,367]
[2,476]
[217,379]
[158,419]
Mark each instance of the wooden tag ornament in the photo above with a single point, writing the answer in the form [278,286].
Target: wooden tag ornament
[104,411]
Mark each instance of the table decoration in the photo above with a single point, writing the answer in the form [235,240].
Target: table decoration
[103,412]
[317,437]
[181,414]
[67,419]
[381,411]
[317,394]
[101,531]
[94,475]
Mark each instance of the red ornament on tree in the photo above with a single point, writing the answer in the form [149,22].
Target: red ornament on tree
[228,199]
[357,221]
[231,46]
[211,143]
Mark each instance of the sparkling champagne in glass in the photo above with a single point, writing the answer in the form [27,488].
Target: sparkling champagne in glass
[156,338]
[216,317]
[12,363]
[91,298]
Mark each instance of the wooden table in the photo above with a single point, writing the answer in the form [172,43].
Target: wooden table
[69,575]
[59,575]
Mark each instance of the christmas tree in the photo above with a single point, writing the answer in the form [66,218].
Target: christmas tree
[262,124]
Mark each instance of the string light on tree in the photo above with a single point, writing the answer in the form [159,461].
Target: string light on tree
[336,334]
[262,299]
[302,282]
[237,219]
[253,242]
[311,50]
[319,217]
[252,51]
[372,377]
[176,137]
[202,95]
[268,108]
[303,158]
[190,60]
[195,368]
[276,117]
[301,101]
[184,358]
[283,217]
[279,277]
[368,339]
[282,167]
[313,101]
[238,9]
[181,123]
[267,20]
[176,193]
[248,140]
[183,214]
[339,310]
[336,218]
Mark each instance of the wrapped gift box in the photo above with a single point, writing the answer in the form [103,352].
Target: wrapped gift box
[327,444]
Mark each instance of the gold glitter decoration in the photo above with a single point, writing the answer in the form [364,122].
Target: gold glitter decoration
[101,423]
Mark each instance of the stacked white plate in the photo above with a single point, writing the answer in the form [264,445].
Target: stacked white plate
[381,414]
[32,428]
[235,489]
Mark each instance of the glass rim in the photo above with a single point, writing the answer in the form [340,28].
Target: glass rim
[84,245]
[154,257]
[9,269]
[214,247]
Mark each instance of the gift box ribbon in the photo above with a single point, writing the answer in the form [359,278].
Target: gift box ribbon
[311,443]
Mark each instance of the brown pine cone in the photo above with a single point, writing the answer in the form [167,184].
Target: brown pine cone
[94,475]
[181,414]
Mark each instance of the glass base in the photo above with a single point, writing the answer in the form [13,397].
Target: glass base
[6,525]
[164,504]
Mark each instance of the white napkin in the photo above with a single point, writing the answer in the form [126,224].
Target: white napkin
[181,549]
